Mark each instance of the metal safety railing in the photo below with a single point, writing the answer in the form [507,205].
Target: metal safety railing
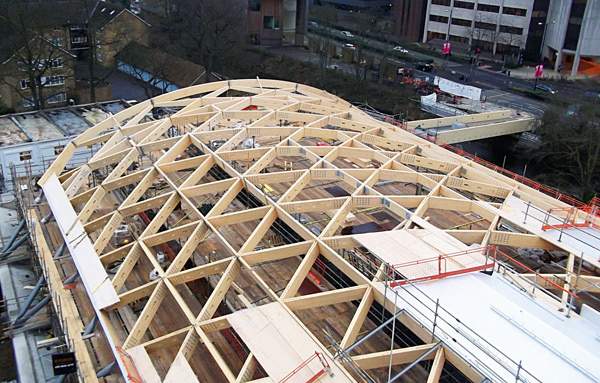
[455,334]
[554,193]
[441,269]
[573,217]
[576,233]
[491,259]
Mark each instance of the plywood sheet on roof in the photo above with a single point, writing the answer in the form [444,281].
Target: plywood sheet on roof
[143,364]
[280,344]
[398,247]
[180,371]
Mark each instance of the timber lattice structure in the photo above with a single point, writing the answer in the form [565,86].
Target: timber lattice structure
[214,206]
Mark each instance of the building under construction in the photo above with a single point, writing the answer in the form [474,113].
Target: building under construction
[267,231]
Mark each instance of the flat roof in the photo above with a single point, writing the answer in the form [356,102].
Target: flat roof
[550,346]
[50,124]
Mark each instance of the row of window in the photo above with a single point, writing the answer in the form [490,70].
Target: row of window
[26,154]
[44,81]
[483,7]
[478,24]
[439,19]
[79,39]
[53,99]
[461,22]
[483,25]
[42,64]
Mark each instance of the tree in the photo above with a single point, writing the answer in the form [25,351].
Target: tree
[34,48]
[211,30]
[364,25]
[327,15]
[570,149]
[97,73]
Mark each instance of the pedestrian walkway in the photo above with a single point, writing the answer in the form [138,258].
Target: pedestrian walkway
[528,73]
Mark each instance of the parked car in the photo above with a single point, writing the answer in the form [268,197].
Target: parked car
[313,23]
[546,88]
[347,34]
[333,66]
[424,67]
[398,48]
[350,46]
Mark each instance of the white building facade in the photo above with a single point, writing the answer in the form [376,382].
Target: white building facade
[572,39]
[496,26]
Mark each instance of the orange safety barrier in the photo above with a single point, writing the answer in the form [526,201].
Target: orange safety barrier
[131,372]
[442,268]
[554,193]
[491,252]
[572,214]
[322,371]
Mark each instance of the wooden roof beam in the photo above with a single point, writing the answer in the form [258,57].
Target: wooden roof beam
[326,298]
[398,356]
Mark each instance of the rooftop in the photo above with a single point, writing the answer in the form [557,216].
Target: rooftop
[54,123]
[267,230]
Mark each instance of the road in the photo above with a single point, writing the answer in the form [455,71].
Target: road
[497,86]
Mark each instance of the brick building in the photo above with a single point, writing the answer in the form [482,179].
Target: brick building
[39,72]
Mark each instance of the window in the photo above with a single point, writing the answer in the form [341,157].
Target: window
[56,98]
[56,40]
[435,35]
[514,11]
[488,8]
[25,156]
[488,26]
[461,22]
[439,19]
[53,80]
[511,30]
[254,5]
[464,4]
[270,22]
[49,63]
[24,84]
[56,63]
[459,39]
[58,149]
[79,39]
[441,2]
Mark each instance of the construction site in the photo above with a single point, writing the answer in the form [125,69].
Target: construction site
[267,231]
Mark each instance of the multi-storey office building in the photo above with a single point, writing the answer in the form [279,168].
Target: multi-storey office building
[496,26]
[572,40]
